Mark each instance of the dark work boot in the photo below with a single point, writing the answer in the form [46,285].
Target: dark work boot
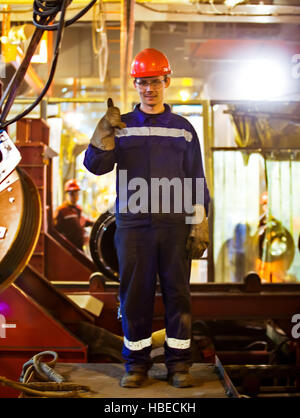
[132,379]
[180,379]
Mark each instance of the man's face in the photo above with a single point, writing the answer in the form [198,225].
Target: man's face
[73,197]
[152,89]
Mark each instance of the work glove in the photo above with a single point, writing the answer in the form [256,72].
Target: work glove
[104,135]
[198,239]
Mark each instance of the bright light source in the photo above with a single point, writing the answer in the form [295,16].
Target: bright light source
[232,3]
[184,95]
[260,80]
[74,119]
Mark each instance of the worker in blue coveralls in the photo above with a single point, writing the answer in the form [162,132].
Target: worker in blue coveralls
[161,216]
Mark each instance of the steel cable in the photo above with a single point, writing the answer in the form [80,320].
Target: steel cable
[44,12]
[42,9]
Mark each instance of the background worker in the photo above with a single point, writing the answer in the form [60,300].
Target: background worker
[152,143]
[68,217]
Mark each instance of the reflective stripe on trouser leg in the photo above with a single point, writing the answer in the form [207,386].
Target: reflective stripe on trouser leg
[174,272]
[178,344]
[137,345]
[136,252]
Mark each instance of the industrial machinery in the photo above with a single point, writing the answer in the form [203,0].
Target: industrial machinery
[20,214]
[102,246]
[33,314]
[47,285]
[40,310]
[249,321]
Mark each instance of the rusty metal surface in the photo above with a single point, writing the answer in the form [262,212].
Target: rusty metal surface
[32,130]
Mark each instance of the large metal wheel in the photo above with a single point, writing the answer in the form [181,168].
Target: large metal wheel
[20,223]
[102,246]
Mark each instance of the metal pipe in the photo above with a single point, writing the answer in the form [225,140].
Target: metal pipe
[130,37]
[16,80]
[123,51]
[126,46]
[54,100]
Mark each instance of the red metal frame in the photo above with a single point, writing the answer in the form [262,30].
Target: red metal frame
[45,318]
[34,163]
[63,263]
[35,330]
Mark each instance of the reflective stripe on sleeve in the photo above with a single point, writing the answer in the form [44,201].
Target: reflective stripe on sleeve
[179,344]
[155,131]
[74,215]
[137,345]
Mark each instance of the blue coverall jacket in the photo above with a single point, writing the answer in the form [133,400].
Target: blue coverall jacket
[152,147]
[152,242]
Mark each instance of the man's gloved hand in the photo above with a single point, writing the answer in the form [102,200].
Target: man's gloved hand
[198,239]
[104,135]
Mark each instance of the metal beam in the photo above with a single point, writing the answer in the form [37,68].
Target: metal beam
[177,11]
[126,47]
[207,13]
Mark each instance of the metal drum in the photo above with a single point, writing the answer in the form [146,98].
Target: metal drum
[20,223]
[102,246]
[276,244]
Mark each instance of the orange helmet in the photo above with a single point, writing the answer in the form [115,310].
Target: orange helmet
[149,63]
[71,185]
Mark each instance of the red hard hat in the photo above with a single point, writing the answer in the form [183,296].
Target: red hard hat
[149,63]
[71,185]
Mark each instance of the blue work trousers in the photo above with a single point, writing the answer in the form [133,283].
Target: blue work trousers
[145,253]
